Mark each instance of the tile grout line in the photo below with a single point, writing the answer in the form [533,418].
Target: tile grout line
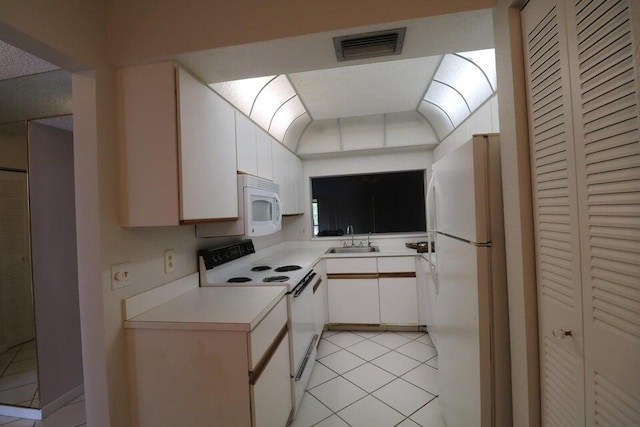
[396,377]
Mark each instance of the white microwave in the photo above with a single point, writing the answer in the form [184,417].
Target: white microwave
[259,211]
[261,201]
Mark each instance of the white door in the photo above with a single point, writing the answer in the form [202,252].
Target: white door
[607,146]
[583,118]
[556,213]
[16,296]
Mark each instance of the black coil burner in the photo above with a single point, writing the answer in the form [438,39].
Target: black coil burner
[261,268]
[239,280]
[275,279]
[287,268]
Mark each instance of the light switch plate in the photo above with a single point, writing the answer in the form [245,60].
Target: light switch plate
[120,275]
[169,261]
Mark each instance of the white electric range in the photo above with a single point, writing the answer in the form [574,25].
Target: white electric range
[232,265]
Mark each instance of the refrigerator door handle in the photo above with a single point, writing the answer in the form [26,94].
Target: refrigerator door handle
[431,231]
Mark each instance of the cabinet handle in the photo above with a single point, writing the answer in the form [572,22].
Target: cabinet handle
[317,285]
[562,334]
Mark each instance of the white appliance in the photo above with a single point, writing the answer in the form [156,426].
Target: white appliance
[470,275]
[259,211]
[232,266]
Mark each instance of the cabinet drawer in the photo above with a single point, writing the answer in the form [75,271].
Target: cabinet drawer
[267,330]
[394,264]
[351,265]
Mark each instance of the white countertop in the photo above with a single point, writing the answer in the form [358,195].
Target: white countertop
[214,309]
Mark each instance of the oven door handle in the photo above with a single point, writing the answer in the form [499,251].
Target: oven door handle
[306,357]
[301,287]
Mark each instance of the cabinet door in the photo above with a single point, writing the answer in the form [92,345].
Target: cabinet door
[246,145]
[398,300]
[290,198]
[265,161]
[207,153]
[278,162]
[271,394]
[300,186]
[354,301]
[147,118]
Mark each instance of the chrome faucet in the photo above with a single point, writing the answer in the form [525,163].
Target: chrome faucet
[350,231]
[369,239]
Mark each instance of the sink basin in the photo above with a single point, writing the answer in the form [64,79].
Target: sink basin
[352,249]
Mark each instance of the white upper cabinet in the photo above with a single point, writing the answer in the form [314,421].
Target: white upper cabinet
[253,147]
[207,137]
[177,141]
[247,154]
[287,171]
[264,143]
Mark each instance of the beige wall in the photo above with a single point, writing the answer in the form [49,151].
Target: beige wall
[206,25]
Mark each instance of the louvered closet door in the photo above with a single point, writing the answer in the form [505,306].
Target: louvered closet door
[607,146]
[556,213]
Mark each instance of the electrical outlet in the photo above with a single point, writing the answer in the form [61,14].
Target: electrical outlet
[169,261]
[120,275]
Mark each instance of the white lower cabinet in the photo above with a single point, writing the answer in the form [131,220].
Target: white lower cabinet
[271,393]
[354,301]
[200,377]
[398,300]
[373,290]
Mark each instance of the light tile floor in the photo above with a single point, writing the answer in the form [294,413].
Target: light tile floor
[19,376]
[373,379]
[19,386]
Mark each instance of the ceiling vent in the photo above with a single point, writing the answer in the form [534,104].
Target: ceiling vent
[369,45]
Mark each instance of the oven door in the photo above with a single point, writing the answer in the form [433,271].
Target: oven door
[262,212]
[304,338]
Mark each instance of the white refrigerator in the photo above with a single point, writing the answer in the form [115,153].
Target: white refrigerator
[471,317]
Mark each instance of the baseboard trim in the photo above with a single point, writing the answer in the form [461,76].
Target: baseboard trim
[62,401]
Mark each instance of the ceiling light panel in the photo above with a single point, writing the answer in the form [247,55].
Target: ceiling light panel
[466,78]
[449,100]
[362,90]
[17,63]
[241,93]
[270,99]
[437,118]
[486,60]
[286,114]
[294,131]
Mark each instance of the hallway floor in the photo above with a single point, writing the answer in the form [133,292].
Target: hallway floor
[373,379]
[19,376]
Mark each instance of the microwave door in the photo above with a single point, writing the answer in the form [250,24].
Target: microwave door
[262,213]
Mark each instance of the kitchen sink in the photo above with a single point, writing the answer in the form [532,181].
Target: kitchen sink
[352,249]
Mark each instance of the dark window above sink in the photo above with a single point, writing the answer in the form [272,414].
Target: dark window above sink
[392,202]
